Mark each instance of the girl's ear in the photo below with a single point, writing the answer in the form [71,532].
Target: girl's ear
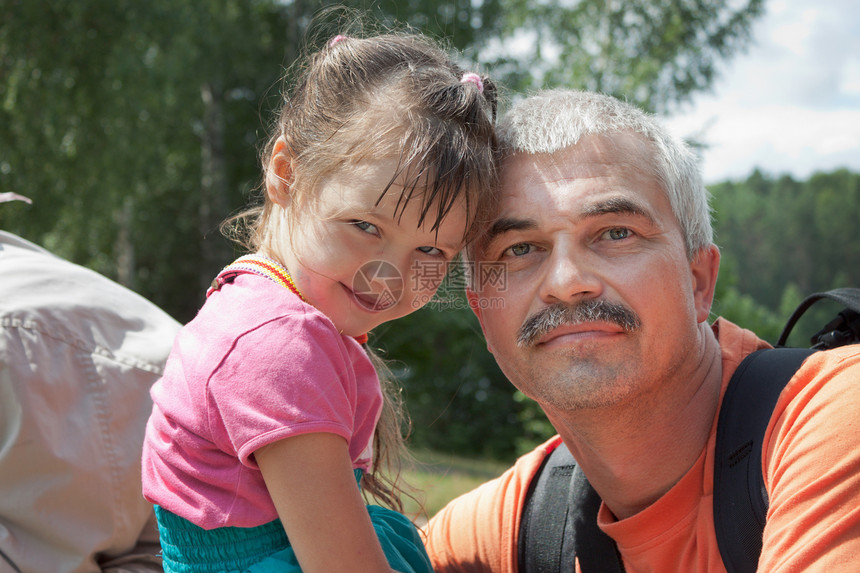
[279,173]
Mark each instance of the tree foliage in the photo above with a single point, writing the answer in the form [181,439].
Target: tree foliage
[134,127]
[783,239]
[651,53]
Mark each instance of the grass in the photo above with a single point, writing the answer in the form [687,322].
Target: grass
[439,478]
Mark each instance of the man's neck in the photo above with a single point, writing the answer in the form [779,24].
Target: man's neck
[634,452]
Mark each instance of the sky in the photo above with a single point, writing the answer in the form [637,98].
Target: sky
[791,103]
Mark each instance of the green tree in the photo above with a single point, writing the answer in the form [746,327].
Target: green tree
[651,53]
[781,240]
[132,126]
[781,233]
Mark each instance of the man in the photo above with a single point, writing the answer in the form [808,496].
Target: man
[605,234]
[78,354]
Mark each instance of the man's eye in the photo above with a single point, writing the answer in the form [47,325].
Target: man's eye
[518,250]
[369,228]
[617,233]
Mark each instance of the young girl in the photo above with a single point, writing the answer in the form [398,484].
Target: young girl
[380,168]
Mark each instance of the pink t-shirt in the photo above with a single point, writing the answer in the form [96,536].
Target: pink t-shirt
[255,366]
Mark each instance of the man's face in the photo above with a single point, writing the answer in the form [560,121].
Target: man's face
[600,303]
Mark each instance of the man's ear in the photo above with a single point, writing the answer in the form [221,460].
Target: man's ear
[279,174]
[474,304]
[705,267]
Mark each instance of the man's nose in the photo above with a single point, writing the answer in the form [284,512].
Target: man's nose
[569,274]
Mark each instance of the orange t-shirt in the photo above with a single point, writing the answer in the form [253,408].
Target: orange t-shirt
[811,459]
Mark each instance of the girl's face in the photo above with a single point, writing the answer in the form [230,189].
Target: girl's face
[356,261]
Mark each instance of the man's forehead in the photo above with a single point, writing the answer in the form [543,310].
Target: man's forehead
[594,156]
[541,168]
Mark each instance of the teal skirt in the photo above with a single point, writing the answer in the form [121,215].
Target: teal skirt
[188,548]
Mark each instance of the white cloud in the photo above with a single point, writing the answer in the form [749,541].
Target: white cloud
[779,139]
[792,103]
[851,77]
[792,34]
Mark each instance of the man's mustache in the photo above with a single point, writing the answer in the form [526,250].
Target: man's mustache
[591,310]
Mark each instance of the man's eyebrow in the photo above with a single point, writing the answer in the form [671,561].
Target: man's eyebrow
[615,206]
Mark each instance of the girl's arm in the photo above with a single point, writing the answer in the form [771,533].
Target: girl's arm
[311,482]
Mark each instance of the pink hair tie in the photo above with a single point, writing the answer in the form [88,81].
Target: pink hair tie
[473,78]
[335,40]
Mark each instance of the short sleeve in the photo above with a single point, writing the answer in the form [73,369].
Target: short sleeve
[812,468]
[288,376]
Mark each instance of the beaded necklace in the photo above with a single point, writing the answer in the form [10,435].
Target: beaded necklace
[264,267]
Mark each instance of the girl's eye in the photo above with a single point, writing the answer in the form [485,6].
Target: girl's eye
[617,233]
[369,228]
[519,250]
[430,250]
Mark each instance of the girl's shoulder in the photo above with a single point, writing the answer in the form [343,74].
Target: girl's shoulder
[250,301]
[254,308]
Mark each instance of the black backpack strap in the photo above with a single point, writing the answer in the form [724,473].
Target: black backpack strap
[595,550]
[740,498]
[542,524]
[844,329]
[559,522]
